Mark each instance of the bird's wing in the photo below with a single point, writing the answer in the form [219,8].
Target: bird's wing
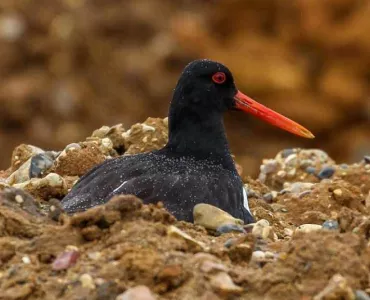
[96,185]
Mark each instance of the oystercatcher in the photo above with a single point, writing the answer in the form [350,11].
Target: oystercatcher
[195,166]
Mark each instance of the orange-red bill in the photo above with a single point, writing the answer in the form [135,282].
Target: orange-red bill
[246,104]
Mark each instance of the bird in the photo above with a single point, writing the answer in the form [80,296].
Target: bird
[195,166]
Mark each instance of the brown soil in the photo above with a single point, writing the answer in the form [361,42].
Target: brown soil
[123,244]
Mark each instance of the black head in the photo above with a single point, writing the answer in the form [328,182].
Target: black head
[205,87]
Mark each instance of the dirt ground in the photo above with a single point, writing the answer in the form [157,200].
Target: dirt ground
[126,250]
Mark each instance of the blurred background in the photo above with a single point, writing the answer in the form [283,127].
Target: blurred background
[68,67]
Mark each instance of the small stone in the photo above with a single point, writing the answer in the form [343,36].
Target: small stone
[326,172]
[175,232]
[305,163]
[281,173]
[71,147]
[361,295]
[337,288]
[212,217]
[65,260]
[251,193]
[94,255]
[209,266]
[286,152]
[299,187]
[12,26]
[261,229]
[258,256]
[288,232]
[26,260]
[330,225]
[87,281]
[308,228]
[367,159]
[223,284]
[140,292]
[310,170]
[304,193]
[344,166]
[269,255]
[367,200]
[226,228]
[268,197]
[338,192]
[269,166]
[291,173]
[230,242]
[291,160]
[40,163]
[18,199]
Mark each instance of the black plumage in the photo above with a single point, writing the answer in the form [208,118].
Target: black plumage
[194,167]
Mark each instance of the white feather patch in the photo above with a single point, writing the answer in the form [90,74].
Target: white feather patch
[115,190]
[245,200]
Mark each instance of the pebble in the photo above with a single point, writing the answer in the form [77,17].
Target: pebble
[367,200]
[361,295]
[310,170]
[175,232]
[73,146]
[330,225]
[140,292]
[281,173]
[26,260]
[226,228]
[291,160]
[326,172]
[337,288]
[316,154]
[19,199]
[209,266]
[269,166]
[65,260]
[367,159]
[308,228]
[230,242]
[298,187]
[258,256]
[94,255]
[338,192]
[251,193]
[212,217]
[87,281]
[261,229]
[286,152]
[269,255]
[39,164]
[305,163]
[12,26]
[268,197]
[288,232]
[20,175]
[223,284]
[304,193]
[51,180]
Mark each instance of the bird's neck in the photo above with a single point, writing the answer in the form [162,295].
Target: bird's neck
[199,136]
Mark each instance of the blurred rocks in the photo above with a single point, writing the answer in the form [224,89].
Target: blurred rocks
[307,60]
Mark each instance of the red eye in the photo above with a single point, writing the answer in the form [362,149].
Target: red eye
[219,77]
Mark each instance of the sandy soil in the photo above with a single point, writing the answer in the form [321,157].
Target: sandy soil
[110,250]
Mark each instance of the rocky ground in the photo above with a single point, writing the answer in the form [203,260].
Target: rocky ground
[310,241]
